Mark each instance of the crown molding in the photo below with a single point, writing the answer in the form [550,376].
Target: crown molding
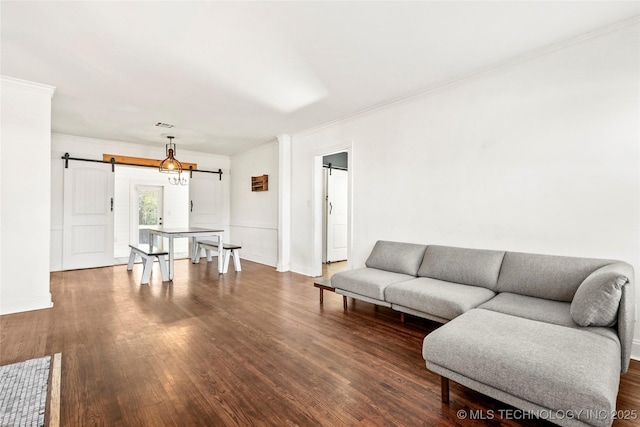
[24,84]
[619,26]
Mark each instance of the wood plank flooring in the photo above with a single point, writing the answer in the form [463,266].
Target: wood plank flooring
[242,349]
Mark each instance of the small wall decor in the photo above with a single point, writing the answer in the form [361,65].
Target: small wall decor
[260,183]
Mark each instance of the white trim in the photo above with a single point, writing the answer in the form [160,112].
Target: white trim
[300,269]
[284,203]
[24,84]
[317,204]
[259,226]
[635,350]
[493,69]
[259,259]
[317,218]
[25,304]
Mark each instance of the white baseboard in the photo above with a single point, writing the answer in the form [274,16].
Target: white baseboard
[635,350]
[26,304]
[257,258]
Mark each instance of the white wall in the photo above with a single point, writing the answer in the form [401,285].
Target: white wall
[90,148]
[538,156]
[254,215]
[26,194]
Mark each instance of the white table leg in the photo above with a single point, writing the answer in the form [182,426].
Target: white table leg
[194,249]
[220,254]
[152,236]
[170,237]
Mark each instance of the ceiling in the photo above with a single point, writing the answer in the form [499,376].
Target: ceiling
[233,75]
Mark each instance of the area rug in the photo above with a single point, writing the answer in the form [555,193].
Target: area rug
[23,392]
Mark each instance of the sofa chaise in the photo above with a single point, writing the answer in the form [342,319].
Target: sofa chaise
[547,334]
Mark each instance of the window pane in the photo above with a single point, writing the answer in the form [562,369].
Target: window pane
[148,208]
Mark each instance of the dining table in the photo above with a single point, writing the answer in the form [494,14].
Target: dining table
[189,232]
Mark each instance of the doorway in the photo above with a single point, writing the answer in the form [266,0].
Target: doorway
[332,213]
[335,209]
[131,224]
[149,207]
[318,206]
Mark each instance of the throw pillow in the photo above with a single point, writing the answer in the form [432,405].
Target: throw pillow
[597,299]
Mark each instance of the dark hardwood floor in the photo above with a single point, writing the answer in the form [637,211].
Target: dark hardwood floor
[240,349]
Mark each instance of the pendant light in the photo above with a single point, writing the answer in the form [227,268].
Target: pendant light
[171,164]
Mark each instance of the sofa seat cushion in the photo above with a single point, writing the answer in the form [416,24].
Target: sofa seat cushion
[533,308]
[437,297]
[543,310]
[549,365]
[366,281]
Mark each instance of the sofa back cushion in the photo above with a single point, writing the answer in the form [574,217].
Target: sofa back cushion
[475,267]
[404,258]
[545,276]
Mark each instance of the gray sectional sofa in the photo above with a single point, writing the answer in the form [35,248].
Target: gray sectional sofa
[546,334]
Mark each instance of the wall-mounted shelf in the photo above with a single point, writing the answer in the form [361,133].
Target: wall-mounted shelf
[260,183]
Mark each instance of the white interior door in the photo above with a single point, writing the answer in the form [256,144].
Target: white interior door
[337,211]
[148,214]
[88,216]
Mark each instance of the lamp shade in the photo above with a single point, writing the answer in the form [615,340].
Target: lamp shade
[171,164]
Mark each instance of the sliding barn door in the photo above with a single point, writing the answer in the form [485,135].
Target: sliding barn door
[206,201]
[88,215]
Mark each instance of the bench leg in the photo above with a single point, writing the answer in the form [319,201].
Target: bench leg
[444,389]
[227,255]
[196,258]
[236,259]
[146,272]
[163,268]
[132,258]
[209,257]
[344,302]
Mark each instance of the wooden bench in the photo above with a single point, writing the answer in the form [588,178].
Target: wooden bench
[228,250]
[148,257]
[325,285]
